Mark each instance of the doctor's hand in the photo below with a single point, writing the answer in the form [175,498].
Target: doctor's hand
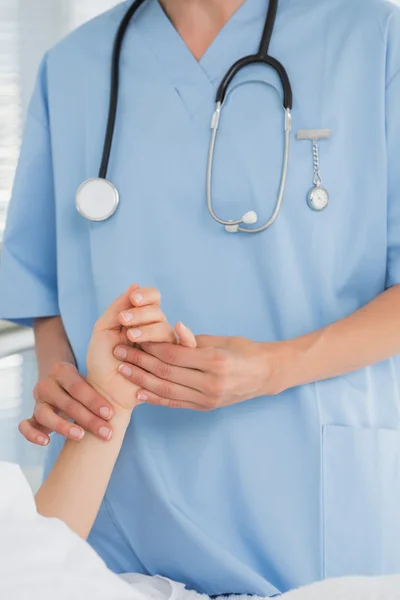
[65,394]
[122,324]
[221,371]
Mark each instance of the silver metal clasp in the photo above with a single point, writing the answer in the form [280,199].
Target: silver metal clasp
[216,116]
[314,134]
[288,119]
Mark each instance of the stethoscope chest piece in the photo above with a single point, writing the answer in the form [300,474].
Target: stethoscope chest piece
[97,199]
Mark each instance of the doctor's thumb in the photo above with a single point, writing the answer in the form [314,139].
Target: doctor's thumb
[185,336]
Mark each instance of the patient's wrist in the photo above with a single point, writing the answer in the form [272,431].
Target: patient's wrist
[122,415]
[121,420]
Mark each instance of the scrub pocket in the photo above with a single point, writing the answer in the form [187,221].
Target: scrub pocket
[361,501]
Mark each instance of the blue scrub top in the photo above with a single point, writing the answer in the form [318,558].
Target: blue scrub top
[274,492]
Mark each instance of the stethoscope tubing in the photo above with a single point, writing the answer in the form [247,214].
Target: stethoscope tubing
[261,57]
[210,163]
[114,93]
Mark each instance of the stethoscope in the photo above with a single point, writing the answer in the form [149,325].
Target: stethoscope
[97,199]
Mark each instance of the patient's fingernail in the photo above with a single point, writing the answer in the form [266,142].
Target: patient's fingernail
[42,440]
[125,370]
[137,297]
[143,397]
[120,352]
[76,433]
[127,317]
[135,333]
[105,433]
[183,326]
[105,412]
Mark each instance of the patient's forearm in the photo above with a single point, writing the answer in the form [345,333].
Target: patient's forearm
[76,485]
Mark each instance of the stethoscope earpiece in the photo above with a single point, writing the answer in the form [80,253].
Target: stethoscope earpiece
[250,218]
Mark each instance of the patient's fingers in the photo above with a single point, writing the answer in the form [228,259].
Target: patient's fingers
[33,432]
[139,297]
[144,296]
[186,337]
[144,315]
[156,332]
[110,319]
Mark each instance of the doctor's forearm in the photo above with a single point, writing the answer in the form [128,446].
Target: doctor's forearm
[368,336]
[51,344]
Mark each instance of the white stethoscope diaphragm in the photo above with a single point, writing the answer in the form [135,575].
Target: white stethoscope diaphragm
[97,199]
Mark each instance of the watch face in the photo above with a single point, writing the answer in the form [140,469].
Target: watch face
[318,198]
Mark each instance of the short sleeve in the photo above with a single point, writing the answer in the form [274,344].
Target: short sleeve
[28,264]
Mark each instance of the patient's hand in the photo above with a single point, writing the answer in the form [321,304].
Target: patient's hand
[134,317]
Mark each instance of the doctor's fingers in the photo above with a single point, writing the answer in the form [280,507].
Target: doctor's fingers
[139,364]
[150,398]
[67,378]
[46,416]
[144,315]
[52,399]
[163,391]
[156,332]
[33,432]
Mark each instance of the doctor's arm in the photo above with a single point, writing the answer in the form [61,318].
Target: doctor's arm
[228,370]
[77,483]
[367,336]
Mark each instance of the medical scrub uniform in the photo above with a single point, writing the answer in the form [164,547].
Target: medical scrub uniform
[277,491]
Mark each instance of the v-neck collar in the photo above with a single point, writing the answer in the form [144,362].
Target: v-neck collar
[195,80]
[168,46]
[239,37]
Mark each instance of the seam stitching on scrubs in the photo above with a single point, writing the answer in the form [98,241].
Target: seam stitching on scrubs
[221,546]
[322,499]
[389,83]
[324,85]
[44,126]
[116,526]
[381,30]
[385,37]
[323,534]
[173,80]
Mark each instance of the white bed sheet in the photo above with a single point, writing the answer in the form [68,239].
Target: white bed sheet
[41,559]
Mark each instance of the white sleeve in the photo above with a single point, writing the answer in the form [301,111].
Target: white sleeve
[41,559]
